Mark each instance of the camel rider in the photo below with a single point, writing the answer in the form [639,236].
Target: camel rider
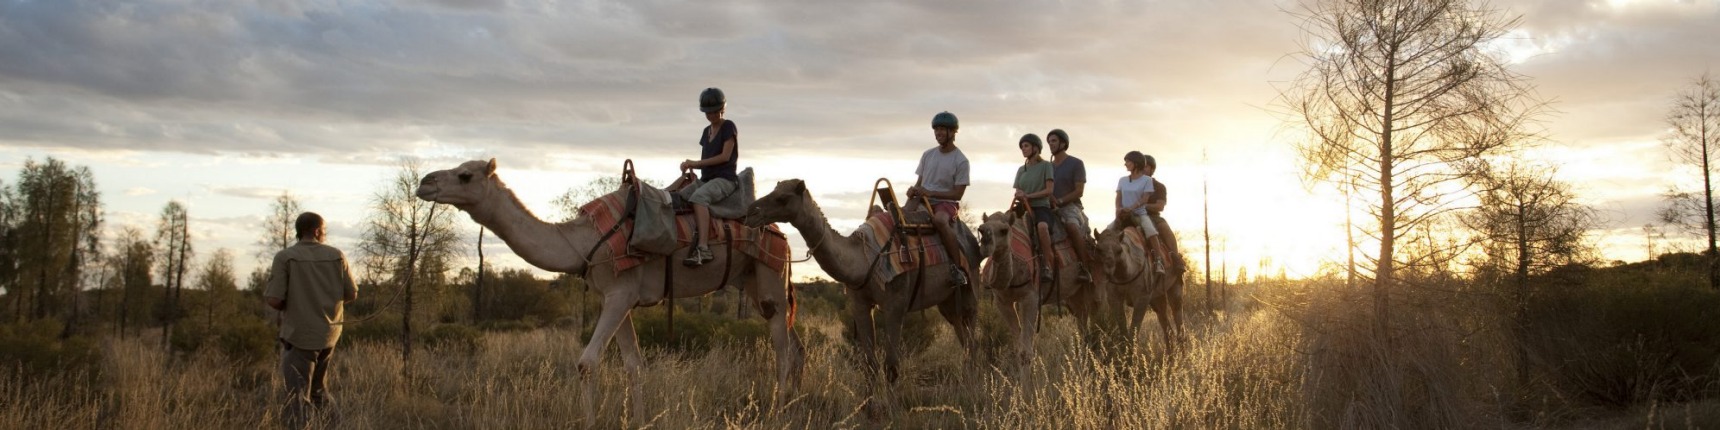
[719,152]
[1156,204]
[1134,193]
[1034,183]
[943,179]
[1069,183]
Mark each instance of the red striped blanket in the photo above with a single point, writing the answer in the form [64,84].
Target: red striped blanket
[766,244]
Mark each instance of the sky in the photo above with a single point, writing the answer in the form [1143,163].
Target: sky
[225,104]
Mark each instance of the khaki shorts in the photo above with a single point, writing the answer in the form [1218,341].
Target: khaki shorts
[1073,214]
[712,191]
[1145,222]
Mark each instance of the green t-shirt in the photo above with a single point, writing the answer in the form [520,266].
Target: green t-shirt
[1031,179]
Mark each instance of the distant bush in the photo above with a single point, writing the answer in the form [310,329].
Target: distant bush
[246,339]
[36,346]
[1628,338]
[453,337]
[695,332]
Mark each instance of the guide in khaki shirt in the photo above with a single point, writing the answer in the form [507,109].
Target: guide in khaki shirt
[314,282]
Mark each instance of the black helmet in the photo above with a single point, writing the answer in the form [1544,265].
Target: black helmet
[712,100]
[1032,139]
[1061,136]
[945,119]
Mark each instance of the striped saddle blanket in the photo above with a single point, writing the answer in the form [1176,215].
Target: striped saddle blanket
[1021,250]
[766,244]
[901,257]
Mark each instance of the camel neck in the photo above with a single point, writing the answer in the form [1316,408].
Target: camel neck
[557,247]
[842,257]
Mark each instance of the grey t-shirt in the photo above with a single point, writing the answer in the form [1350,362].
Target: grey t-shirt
[940,172]
[1065,176]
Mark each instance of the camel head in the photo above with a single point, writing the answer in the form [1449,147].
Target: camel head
[783,204]
[994,234]
[462,186]
[1111,249]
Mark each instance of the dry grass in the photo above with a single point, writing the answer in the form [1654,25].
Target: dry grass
[1288,357]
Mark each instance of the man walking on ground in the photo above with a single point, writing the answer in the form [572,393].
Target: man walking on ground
[309,283]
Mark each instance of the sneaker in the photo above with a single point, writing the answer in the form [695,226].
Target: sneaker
[698,257]
[956,276]
[1083,275]
[1159,265]
[1045,274]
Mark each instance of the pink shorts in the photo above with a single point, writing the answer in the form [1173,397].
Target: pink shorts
[946,208]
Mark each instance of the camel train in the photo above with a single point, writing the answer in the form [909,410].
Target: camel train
[879,299]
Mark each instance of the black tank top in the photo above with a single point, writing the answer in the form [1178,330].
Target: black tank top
[713,147]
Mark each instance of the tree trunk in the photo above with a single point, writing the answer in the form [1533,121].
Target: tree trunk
[478,288]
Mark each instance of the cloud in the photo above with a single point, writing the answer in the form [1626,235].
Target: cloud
[139,191]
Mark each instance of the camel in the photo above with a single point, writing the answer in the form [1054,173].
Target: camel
[1135,284]
[850,261]
[474,188]
[1018,290]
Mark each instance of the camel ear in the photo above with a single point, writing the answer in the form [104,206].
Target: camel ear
[800,187]
[490,169]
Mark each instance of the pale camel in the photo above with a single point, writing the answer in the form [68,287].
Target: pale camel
[1135,284]
[1019,292]
[473,187]
[849,260]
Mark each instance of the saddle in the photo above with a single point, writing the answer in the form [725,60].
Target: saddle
[914,219]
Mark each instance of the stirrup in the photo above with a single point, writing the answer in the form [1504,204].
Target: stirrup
[698,257]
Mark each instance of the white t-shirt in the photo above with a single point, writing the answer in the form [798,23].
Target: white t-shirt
[1135,191]
[940,172]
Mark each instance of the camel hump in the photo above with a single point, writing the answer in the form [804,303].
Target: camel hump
[733,206]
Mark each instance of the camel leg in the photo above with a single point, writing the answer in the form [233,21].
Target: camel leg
[1176,300]
[1137,319]
[1161,308]
[1006,309]
[615,308]
[895,314]
[627,340]
[772,302]
[961,319]
[1029,306]
[865,335]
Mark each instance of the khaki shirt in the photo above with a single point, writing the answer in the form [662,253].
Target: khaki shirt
[313,280]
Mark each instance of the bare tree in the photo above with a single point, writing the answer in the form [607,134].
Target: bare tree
[407,242]
[173,236]
[1695,141]
[1400,96]
[278,232]
[1527,223]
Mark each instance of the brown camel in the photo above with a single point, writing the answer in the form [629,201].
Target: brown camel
[473,187]
[1018,290]
[1135,284]
[850,261]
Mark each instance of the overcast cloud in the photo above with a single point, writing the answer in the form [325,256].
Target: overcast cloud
[365,82]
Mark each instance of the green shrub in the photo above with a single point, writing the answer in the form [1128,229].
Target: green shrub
[453,337]
[695,332]
[1618,344]
[37,347]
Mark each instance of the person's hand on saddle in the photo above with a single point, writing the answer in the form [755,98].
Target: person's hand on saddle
[915,191]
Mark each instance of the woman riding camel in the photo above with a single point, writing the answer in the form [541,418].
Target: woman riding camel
[1134,193]
[1033,182]
[719,152]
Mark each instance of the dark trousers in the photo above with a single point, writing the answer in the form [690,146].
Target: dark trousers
[305,373]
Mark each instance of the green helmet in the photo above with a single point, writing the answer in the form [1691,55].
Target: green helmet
[945,119]
[712,100]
